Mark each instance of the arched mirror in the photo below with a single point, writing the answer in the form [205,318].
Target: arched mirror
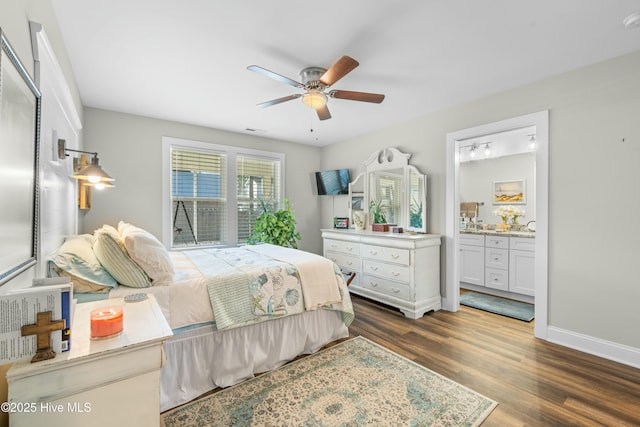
[397,188]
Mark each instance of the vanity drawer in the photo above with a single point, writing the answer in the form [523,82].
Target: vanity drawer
[496,258]
[471,239]
[389,271]
[383,253]
[387,287]
[496,279]
[523,243]
[500,242]
[342,246]
[345,262]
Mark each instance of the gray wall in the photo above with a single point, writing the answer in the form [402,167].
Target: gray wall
[130,150]
[593,284]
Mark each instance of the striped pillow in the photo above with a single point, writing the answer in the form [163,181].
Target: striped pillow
[112,254]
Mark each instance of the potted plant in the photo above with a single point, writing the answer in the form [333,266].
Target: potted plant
[277,227]
[379,218]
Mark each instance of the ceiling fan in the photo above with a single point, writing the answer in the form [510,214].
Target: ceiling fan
[314,81]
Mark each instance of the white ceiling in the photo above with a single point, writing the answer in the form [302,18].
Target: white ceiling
[186,60]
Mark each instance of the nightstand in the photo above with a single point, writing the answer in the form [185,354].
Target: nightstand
[107,382]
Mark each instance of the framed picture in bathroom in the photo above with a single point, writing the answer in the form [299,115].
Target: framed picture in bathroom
[509,192]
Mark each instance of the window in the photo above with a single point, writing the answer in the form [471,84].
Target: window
[212,193]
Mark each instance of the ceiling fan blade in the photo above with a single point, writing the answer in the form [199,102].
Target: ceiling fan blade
[323,113]
[357,96]
[338,70]
[275,76]
[279,100]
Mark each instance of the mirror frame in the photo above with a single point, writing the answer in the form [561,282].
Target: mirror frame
[384,160]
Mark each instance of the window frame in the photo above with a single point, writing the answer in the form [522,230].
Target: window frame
[232,153]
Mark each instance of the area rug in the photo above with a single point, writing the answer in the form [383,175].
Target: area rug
[354,383]
[506,307]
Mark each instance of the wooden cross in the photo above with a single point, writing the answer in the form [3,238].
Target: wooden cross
[42,330]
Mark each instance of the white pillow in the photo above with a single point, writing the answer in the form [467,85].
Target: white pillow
[112,254]
[147,251]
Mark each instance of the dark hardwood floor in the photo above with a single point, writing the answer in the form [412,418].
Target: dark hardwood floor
[536,383]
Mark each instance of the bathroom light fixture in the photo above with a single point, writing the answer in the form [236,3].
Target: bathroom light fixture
[472,151]
[532,141]
[314,98]
[487,150]
[92,174]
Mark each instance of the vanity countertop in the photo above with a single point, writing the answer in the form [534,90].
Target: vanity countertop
[529,234]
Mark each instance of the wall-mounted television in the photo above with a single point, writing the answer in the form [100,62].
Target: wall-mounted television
[333,182]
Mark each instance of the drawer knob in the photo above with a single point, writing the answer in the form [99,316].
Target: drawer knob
[349,262]
[373,252]
[374,284]
[373,268]
[495,259]
[395,274]
[395,291]
[394,256]
[333,245]
[349,248]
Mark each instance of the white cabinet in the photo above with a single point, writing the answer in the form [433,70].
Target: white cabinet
[401,270]
[522,266]
[472,259]
[108,382]
[502,263]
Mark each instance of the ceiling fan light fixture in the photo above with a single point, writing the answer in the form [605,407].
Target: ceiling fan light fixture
[314,98]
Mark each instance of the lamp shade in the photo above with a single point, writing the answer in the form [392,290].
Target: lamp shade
[93,173]
[314,98]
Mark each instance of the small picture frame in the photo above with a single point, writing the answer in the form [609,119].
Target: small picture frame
[340,222]
[509,192]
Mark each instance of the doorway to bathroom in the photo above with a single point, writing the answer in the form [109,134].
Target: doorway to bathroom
[494,172]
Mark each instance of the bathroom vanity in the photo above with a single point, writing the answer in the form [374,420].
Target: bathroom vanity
[500,263]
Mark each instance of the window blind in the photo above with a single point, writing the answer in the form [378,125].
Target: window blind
[198,197]
[257,179]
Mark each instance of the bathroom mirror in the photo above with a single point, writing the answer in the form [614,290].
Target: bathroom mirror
[400,188]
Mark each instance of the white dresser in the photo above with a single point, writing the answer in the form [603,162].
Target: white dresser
[109,382]
[401,270]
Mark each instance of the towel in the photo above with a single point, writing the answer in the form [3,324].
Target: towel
[317,276]
[469,209]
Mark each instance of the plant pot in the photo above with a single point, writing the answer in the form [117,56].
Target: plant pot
[379,227]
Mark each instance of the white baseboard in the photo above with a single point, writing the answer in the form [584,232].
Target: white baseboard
[596,346]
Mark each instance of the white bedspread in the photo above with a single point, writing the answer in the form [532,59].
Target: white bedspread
[185,301]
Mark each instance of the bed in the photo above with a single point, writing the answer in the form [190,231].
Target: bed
[234,311]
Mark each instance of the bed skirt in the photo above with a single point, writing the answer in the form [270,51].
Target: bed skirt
[202,359]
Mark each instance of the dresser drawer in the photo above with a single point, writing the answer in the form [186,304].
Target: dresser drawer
[383,253]
[344,247]
[389,271]
[345,262]
[500,242]
[496,258]
[387,287]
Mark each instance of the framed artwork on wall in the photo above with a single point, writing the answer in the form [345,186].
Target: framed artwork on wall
[509,192]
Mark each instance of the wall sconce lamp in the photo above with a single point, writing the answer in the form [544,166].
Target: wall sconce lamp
[92,174]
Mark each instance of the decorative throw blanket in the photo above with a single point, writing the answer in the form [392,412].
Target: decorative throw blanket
[247,286]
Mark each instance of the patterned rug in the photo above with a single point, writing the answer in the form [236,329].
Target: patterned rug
[354,383]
